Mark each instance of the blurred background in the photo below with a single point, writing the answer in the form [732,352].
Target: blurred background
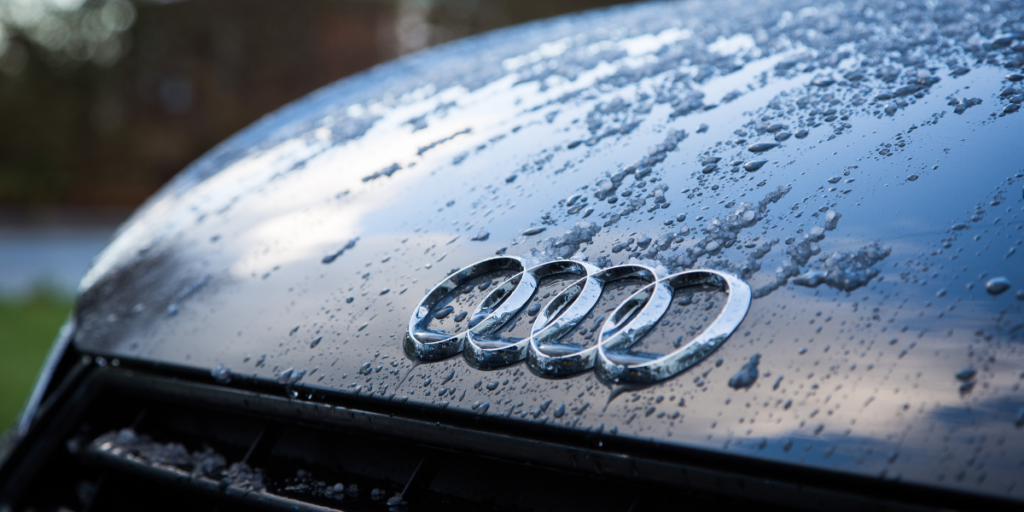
[102,101]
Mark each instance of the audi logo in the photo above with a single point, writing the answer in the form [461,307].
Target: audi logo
[543,350]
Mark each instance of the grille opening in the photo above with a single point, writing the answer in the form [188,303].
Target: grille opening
[179,456]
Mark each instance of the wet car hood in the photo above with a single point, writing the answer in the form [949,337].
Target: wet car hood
[879,341]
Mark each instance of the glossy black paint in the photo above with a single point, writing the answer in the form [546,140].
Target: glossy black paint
[372,189]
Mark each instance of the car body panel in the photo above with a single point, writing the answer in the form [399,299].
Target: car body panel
[375,188]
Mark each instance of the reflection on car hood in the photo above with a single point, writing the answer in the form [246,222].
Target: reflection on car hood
[857,164]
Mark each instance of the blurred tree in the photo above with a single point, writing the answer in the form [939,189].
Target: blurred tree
[102,101]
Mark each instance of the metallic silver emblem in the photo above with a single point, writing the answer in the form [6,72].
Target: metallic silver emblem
[544,349]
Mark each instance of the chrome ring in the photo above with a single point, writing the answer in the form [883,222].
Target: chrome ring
[556,320]
[623,328]
[496,309]
[491,350]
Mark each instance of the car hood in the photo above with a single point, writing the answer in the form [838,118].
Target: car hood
[874,236]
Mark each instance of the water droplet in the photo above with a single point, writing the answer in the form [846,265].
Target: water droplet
[912,177]
[221,374]
[755,165]
[747,374]
[533,231]
[761,147]
[966,373]
[997,285]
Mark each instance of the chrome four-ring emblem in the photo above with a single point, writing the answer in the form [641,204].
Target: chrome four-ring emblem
[623,328]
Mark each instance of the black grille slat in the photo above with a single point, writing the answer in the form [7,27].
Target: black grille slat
[302,447]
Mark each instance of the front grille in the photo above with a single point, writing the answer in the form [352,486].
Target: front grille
[135,448]
[131,440]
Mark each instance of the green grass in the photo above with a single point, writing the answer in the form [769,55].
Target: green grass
[27,329]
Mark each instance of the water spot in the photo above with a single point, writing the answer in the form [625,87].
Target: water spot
[907,90]
[843,271]
[747,374]
[912,177]
[533,231]
[315,342]
[560,411]
[331,257]
[444,312]
[186,292]
[481,236]
[801,134]
[832,219]
[997,285]
[963,104]
[461,316]
[492,385]
[782,136]
[709,168]
[566,245]
[387,171]
[436,143]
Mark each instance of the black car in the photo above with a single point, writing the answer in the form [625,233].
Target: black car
[668,255]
